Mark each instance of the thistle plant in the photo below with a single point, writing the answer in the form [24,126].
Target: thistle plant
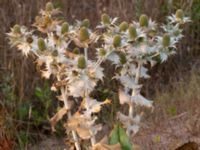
[62,49]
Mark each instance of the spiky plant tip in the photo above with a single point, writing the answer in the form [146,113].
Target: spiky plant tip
[81,62]
[143,20]
[123,26]
[166,40]
[49,7]
[41,44]
[83,34]
[86,23]
[105,19]
[117,41]
[65,28]
[132,32]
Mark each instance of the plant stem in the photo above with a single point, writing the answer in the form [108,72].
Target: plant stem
[137,76]
[86,53]
[74,135]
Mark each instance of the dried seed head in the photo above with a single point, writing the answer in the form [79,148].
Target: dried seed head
[143,20]
[65,28]
[83,34]
[179,14]
[132,32]
[85,23]
[29,39]
[49,6]
[17,29]
[166,40]
[102,52]
[122,57]
[76,50]
[81,62]
[55,53]
[41,44]
[117,41]
[123,26]
[105,19]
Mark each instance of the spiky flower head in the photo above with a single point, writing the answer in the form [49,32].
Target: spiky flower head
[122,57]
[83,34]
[105,19]
[76,50]
[166,40]
[55,53]
[85,23]
[41,44]
[117,41]
[132,32]
[29,39]
[179,14]
[17,29]
[49,6]
[102,52]
[64,28]
[81,62]
[123,26]
[143,20]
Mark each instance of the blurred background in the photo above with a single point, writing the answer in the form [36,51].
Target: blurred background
[174,85]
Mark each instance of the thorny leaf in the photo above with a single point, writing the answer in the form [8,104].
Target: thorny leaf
[84,125]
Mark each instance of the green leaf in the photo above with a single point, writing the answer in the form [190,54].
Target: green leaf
[38,92]
[124,140]
[114,136]
[118,135]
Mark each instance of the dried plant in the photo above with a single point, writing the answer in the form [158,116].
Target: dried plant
[62,55]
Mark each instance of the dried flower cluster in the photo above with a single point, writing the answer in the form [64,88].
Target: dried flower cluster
[62,54]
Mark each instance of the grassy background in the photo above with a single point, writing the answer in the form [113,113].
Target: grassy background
[175,85]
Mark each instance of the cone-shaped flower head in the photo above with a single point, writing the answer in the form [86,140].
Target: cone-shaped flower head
[166,40]
[122,57]
[55,53]
[143,20]
[117,41]
[83,34]
[64,28]
[41,44]
[49,6]
[76,50]
[102,52]
[81,62]
[105,19]
[17,29]
[29,39]
[85,23]
[179,14]
[132,32]
[123,26]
